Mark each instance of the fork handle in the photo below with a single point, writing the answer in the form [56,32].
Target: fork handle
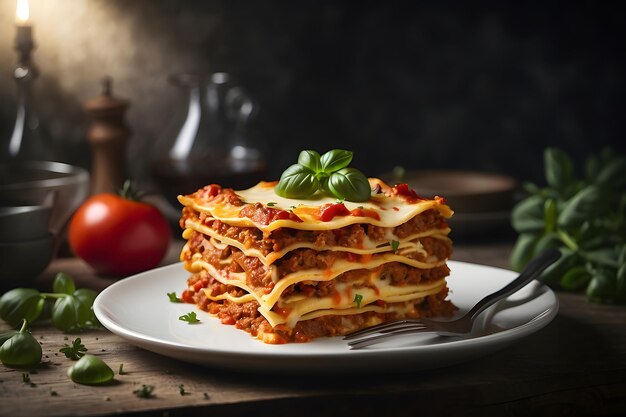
[534,268]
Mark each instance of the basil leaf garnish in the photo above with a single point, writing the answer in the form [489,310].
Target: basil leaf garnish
[349,184]
[310,159]
[335,160]
[327,174]
[297,182]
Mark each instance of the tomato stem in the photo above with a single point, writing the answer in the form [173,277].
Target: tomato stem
[127,191]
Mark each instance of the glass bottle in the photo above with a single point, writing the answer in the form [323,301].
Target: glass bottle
[213,144]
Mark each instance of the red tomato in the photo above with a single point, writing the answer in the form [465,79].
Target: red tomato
[117,236]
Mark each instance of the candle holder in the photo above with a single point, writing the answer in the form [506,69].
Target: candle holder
[27,140]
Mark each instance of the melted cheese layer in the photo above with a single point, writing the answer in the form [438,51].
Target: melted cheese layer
[391,210]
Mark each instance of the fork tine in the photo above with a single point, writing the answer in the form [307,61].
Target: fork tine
[391,328]
[379,328]
[368,341]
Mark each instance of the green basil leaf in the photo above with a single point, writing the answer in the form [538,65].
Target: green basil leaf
[550,214]
[558,168]
[528,215]
[21,303]
[90,370]
[584,205]
[297,182]
[22,351]
[310,159]
[606,257]
[554,273]
[591,236]
[547,241]
[323,184]
[349,184]
[602,288]
[530,188]
[6,335]
[65,313]
[621,259]
[63,284]
[335,160]
[613,173]
[85,314]
[621,283]
[523,250]
[576,279]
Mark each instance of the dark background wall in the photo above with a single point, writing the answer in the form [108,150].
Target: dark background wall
[482,86]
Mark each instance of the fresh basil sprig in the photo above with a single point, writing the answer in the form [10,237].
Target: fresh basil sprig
[70,308]
[328,174]
[585,218]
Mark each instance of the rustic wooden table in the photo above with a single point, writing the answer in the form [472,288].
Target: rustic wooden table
[574,366]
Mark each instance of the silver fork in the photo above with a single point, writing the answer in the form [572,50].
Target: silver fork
[458,327]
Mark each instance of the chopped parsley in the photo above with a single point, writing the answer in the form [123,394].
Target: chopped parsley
[271,204]
[189,318]
[75,351]
[357,299]
[173,298]
[181,389]
[395,245]
[145,391]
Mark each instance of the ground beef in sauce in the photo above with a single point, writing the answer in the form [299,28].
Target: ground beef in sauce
[259,276]
[348,236]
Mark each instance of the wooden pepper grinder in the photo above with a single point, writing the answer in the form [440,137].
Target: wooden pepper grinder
[107,135]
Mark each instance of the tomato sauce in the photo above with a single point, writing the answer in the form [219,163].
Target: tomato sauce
[264,215]
[362,212]
[403,190]
[329,211]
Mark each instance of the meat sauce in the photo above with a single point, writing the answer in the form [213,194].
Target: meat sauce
[348,236]
[246,317]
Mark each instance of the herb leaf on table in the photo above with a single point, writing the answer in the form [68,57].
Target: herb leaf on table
[75,351]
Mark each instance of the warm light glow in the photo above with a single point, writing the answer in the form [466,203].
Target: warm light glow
[22,14]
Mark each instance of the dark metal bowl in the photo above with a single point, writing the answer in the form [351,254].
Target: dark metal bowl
[56,185]
[22,262]
[22,223]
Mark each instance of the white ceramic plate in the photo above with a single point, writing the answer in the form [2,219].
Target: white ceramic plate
[138,309]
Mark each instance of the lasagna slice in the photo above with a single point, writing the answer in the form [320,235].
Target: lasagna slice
[288,270]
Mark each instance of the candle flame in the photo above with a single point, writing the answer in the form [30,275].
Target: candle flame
[22,14]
